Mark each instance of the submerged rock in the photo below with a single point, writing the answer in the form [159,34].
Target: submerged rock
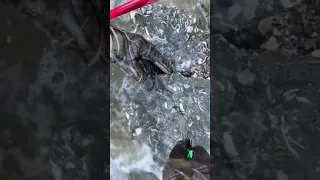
[167,116]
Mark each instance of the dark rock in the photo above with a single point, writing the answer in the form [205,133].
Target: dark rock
[294,18]
[296,30]
[224,3]
[318,42]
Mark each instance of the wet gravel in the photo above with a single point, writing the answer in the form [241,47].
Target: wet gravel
[265,100]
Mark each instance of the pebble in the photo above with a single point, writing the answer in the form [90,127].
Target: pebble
[290,3]
[310,43]
[276,32]
[289,49]
[189,29]
[70,165]
[316,53]
[9,38]
[265,25]
[249,8]
[314,34]
[186,86]
[245,77]
[271,44]
[281,175]
[87,140]
[138,131]
[229,144]
[295,30]
[234,11]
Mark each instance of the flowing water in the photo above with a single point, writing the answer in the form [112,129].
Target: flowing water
[140,120]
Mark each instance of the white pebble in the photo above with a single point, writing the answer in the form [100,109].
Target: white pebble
[138,131]
[198,118]
[189,29]
[181,107]
[166,105]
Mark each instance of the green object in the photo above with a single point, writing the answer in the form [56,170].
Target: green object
[190,154]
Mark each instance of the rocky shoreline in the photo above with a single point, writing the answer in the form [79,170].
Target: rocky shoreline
[290,29]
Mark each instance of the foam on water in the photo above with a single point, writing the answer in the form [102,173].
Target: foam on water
[141,160]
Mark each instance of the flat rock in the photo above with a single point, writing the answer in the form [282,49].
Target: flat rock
[234,11]
[161,113]
[290,3]
[249,8]
[245,77]
[271,45]
[316,53]
[265,25]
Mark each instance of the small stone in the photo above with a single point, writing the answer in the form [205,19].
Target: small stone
[138,131]
[186,86]
[282,176]
[249,8]
[276,32]
[314,34]
[309,43]
[292,37]
[189,29]
[290,3]
[44,151]
[229,144]
[293,18]
[296,30]
[217,16]
[307,28]
[271,44]
[234,11]
[9,39]
[265,25]
[316,53]
[245,77]
[87,140]
[269,6]
[290,50]
[70,165]
[303,8]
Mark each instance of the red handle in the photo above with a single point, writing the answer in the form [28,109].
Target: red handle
[129,6]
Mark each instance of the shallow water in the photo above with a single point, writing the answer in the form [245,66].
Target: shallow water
[135,143]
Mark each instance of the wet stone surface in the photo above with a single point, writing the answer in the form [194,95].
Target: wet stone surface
[162,118]
[58,140]
[265,106]
[53,108]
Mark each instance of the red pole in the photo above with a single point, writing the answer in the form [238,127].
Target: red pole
[129,6]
